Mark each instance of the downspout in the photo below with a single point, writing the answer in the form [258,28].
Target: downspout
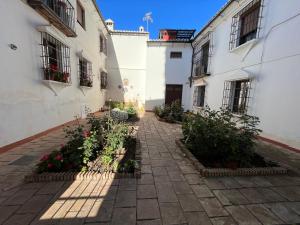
[192,66]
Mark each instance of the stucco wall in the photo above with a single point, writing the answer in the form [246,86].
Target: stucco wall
[27,106]
[272,63]
[162,70]
[126,63]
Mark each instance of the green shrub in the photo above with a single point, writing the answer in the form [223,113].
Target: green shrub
[132,112]
[171,113]
[220,137]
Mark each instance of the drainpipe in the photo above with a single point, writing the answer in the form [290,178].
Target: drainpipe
[192,66]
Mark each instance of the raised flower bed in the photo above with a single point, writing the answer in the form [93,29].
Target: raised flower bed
[108,148]
[173,113]
[220,144]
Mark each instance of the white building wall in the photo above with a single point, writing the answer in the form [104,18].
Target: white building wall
[27,106]
[273,63]
[127,52]
[163,70]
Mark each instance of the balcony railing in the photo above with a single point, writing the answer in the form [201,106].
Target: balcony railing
[59,12]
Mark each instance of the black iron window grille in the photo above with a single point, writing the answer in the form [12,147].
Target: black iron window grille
[202,55]
[236,96]
[199,96]
[85,72]
[246,24]
[175,55]
[103,80]
[103,47]
[56,59]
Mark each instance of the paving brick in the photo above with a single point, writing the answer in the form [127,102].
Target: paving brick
[147,209]
[292,193]
[182,188]
[242,215]
[197,218]
[35,204]
[146,169]
[159,171]
[176,176]
[213,207]
[6,212]
[101,212]
[202,191]
[126,199]
[264,215]
[230,197]
[146,179]
[193,179]
[172,213]
[20,197]
[124,216]
[20,219]
[51,188]
[146,191]
[223,221]
[214,183]
[229,182]
[165,192]
[190,203]
[149,222]
[284,213]
[253,195]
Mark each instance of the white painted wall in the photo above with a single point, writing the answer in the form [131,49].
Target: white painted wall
[27,106]
[127,52]
[273,63]
[162,70]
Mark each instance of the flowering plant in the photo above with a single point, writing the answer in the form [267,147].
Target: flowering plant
[53,162]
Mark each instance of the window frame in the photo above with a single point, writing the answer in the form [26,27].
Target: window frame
[236,37]
[103,44]
[237,100]
[103,80]
[176,55]
[199,96]
[83,23]
[85,76]
[56,68]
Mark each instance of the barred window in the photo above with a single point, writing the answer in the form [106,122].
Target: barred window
[202,54]
[236,96]
[85,72]
[103,80]
[176,55]
[246,24]
[103,44]
[199,96]
[56,59]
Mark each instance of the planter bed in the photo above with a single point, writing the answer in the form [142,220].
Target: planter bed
[95,170]
[166,121]
[216,172]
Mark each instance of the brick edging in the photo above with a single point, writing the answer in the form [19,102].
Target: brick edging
[72,176]
[166,121]
[217,172]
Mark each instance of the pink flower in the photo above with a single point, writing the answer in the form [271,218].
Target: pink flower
[45,158]
[59,157]
[50,165]
[86,134]
[62,145]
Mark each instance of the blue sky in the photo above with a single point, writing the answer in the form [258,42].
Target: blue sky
[184,14]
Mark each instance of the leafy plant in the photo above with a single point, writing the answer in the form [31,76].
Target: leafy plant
[171,113]
[219,137]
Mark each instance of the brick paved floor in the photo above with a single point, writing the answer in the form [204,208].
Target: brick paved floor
[170,191]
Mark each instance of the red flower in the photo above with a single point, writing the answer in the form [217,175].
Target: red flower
[45,158]
[86,134]
[53,67]
[59,157]
[50,165]
[62,145]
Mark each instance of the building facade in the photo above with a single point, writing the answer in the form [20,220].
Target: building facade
[52,61]
[246,59]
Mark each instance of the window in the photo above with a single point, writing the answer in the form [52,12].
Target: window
[176,55]
[56,59]
[236,96]
[85,73]
[80,15]
[103,80]
[246,24]
[201,67]
[103,44]
[199,96]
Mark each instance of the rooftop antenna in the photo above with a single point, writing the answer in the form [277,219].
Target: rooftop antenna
[148,18]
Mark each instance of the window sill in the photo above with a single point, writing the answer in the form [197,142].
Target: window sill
[55,86]
[245,48]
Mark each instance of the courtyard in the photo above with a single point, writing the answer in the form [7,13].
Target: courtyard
[169,192]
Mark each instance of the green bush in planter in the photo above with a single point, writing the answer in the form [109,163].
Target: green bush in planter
[221,137]
[172,112]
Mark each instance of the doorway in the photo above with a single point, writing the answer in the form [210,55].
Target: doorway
[173,93]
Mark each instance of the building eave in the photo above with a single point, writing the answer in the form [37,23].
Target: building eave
[101,16]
